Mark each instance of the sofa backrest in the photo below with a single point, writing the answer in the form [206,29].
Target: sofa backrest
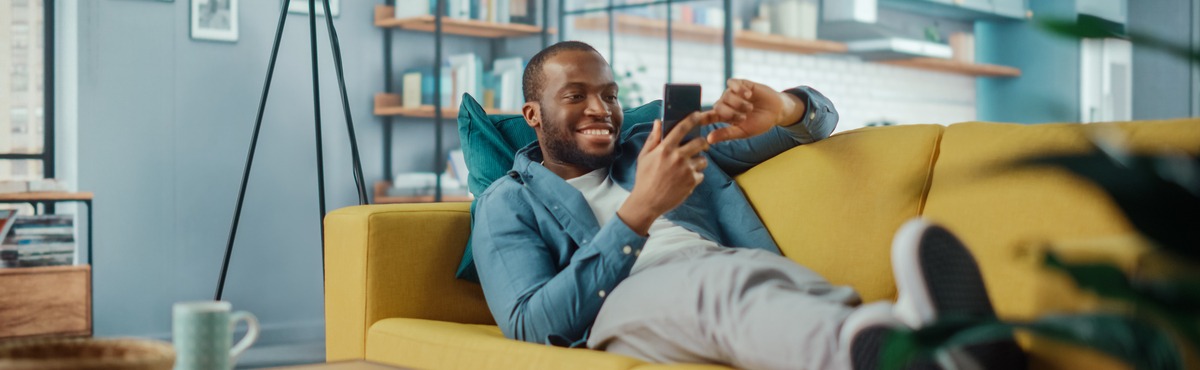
[834,205]
[1008,217]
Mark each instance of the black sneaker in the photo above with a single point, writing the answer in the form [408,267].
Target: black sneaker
[937,276]
[866,349]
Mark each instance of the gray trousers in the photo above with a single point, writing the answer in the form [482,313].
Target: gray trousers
[740,307]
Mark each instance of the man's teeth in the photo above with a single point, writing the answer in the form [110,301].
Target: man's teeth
[595,132]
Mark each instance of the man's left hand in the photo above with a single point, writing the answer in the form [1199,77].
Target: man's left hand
[752,108]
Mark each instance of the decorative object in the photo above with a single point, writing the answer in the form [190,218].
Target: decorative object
[203,334]
[356,163]
[86,354]
[301,7]
[215,20]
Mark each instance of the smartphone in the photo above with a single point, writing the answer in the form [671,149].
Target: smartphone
[680,100]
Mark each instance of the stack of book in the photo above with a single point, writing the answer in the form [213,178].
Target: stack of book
[496,11]
[464,74]
[45,240]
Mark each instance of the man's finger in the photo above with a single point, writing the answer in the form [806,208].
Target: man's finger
[727,133]
[654,138]
[681,129]
[699,163]
[693,147]
[728,113]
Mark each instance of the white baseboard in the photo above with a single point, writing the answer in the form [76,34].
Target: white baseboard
[282,355]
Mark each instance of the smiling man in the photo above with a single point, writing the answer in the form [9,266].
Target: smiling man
[632,242]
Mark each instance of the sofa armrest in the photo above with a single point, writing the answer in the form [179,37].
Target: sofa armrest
[395,260]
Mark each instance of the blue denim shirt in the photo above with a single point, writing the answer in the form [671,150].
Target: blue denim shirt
[546,264]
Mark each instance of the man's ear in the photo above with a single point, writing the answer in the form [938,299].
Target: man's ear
[533,114]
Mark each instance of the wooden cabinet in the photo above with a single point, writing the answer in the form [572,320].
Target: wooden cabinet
[39,301]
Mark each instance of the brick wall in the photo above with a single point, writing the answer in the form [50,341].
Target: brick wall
[863,92]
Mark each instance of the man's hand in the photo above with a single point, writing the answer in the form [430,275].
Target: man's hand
[667,172]
[752,108]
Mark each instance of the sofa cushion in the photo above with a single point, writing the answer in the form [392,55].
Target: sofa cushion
[427,344]
[489,143]
[834,205]
[1007,217]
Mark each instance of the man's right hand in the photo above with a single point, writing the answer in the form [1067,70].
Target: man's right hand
[667,172]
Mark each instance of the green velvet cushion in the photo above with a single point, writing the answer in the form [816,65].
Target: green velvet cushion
[490,142]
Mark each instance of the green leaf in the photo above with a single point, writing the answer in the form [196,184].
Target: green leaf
[1131,341]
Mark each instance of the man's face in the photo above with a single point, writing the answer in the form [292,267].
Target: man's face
[580,115]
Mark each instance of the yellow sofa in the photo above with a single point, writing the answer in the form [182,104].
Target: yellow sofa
[391,295]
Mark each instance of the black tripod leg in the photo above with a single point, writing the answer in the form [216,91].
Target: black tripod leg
[337,66]
[237,213]
[312,37]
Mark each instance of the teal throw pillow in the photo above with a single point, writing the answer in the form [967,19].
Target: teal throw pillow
[489,143]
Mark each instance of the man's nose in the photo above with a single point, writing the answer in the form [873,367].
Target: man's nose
[596,107]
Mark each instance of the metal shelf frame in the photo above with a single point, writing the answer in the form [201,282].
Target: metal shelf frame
[389,79]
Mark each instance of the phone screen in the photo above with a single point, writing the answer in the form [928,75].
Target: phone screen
[680,100]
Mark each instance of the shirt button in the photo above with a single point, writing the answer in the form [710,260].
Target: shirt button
[602,294]
[627,249]
[812,116]
[638,253]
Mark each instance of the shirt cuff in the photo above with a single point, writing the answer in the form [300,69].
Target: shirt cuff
[820,117]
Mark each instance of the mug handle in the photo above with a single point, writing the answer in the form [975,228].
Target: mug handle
[248,339]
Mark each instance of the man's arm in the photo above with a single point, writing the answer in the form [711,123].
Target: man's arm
[767,122]
[529,297]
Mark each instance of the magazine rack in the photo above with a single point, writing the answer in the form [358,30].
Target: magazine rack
[42,300]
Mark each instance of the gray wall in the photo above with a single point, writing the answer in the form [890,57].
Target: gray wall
[1164,85]
[164,125]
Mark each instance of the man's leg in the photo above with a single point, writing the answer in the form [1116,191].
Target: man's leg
[745,308]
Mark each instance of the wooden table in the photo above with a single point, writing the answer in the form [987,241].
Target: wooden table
[341,365]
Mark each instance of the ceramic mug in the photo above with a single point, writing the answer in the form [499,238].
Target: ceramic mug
[203,334]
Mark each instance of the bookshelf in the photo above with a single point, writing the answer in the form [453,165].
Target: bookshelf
[641,26]
[388,104]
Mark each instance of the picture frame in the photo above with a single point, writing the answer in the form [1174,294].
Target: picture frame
[215,20]
[301,7]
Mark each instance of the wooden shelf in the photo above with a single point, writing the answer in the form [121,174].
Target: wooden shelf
[642,26]
[45,196]
[693,32]
[762,41]
[381,196]
[954,66]
[385,17]
[389,105]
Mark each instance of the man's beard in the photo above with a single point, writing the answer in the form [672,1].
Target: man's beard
[560,144]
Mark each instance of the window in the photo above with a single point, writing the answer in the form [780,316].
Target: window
[26,119]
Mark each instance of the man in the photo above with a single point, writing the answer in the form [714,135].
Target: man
[619,240]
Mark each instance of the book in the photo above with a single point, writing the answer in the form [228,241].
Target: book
[458,166]
[411,95]
[44,240]
[413,9]
[522,11]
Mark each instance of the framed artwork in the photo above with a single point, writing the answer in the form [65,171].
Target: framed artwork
[215,20]
[301,7]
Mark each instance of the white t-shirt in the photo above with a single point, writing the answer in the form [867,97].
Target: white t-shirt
[605,197]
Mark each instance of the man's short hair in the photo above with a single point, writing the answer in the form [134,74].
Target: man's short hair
[532,82]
